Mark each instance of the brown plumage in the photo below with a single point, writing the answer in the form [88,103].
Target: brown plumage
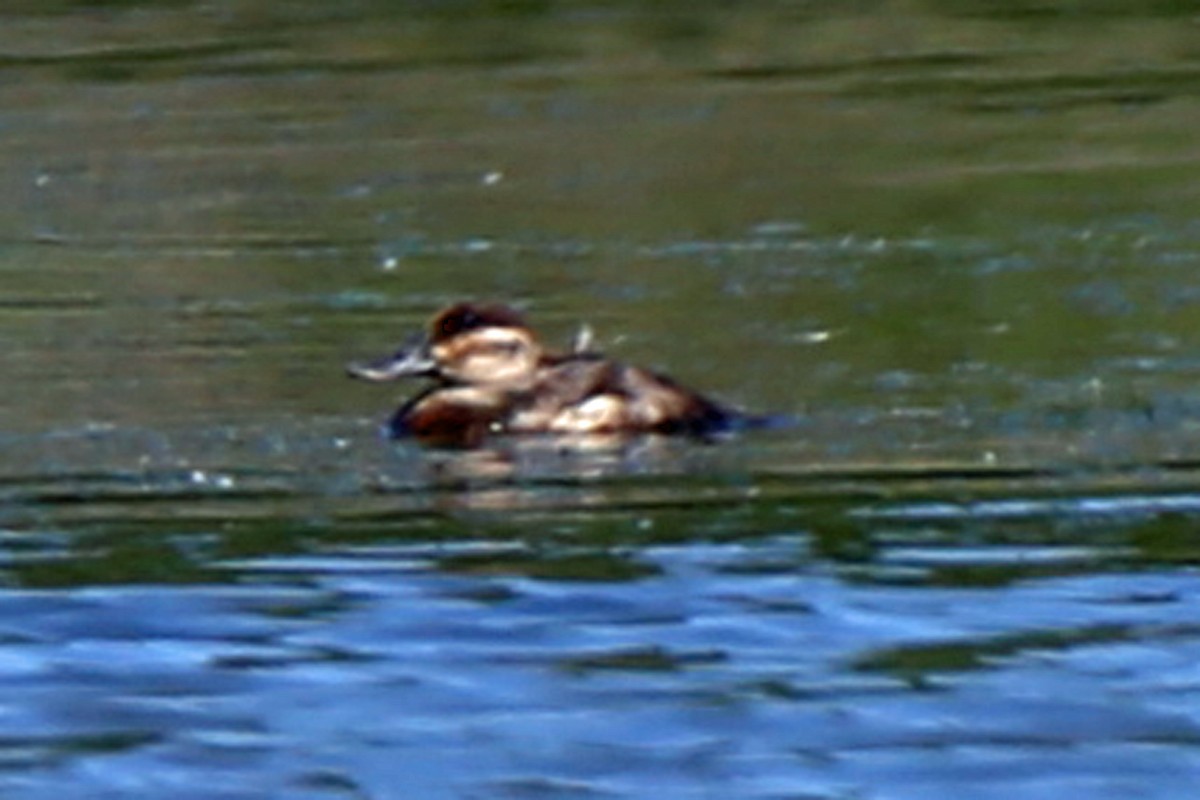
[492,376]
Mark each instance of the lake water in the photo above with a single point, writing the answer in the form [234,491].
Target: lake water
[957,242]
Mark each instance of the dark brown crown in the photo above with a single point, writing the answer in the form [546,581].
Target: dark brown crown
[467,317]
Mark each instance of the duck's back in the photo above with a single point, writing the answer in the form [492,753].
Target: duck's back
[585,393]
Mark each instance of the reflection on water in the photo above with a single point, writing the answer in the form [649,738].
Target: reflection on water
[956,243]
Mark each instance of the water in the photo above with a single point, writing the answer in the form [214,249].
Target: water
[957,244]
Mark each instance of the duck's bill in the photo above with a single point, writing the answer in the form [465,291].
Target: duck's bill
[407,362]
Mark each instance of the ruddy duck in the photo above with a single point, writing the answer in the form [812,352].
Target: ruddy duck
[492,376]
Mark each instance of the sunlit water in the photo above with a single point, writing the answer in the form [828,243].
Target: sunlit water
[306,610]
[957,249]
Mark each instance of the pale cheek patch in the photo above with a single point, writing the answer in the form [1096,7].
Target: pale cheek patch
[491,355]
[499,337]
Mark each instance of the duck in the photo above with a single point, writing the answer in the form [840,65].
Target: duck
[489,374]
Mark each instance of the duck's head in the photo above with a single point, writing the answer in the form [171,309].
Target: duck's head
[465,344]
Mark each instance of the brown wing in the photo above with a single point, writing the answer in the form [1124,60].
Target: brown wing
[586,392]
[660,404]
